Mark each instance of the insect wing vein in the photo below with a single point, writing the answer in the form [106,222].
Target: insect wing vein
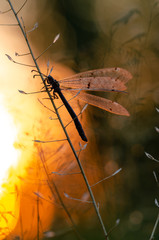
[104,104]
[107,79]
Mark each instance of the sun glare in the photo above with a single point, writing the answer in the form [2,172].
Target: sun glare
[9,155]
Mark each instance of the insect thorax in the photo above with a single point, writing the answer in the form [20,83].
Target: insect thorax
[54,83]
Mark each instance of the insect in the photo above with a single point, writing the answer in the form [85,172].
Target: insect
[106,79]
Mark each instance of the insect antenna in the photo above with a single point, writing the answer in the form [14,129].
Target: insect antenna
[48,64]
[50,70]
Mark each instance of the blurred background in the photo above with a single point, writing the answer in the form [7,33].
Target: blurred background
[93,34]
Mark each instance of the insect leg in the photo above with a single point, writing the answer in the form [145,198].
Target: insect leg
[38,72]
[55,96]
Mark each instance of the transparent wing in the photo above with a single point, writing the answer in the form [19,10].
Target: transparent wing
[103,103]
[107,79]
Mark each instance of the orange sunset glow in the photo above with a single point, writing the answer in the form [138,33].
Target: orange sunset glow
[79,105]
[9,154]
[9,161]
[32,193]
[20,122]
[23,178]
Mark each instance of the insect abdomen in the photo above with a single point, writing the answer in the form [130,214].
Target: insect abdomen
[74,117]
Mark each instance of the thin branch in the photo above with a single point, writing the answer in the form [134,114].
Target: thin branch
[21,55]
[60,140]
[23,26]
[157,129]
[65,174]
[64,129]
[52,234]
[11,59]
[151,157]
[107,177]
[43,198]
[155,176]
[22,7]
[81,148]
[55,39]
[31,30]
[85,106]
[51,182]
[46,107]
[71,99]
[8,24]
[76,199]
[116,224]
[154,229]
[38,217]
[51,118]
[21,227]
[5,11]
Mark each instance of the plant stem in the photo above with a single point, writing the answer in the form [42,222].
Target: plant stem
[51,182]
[154,229]
[63,127]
